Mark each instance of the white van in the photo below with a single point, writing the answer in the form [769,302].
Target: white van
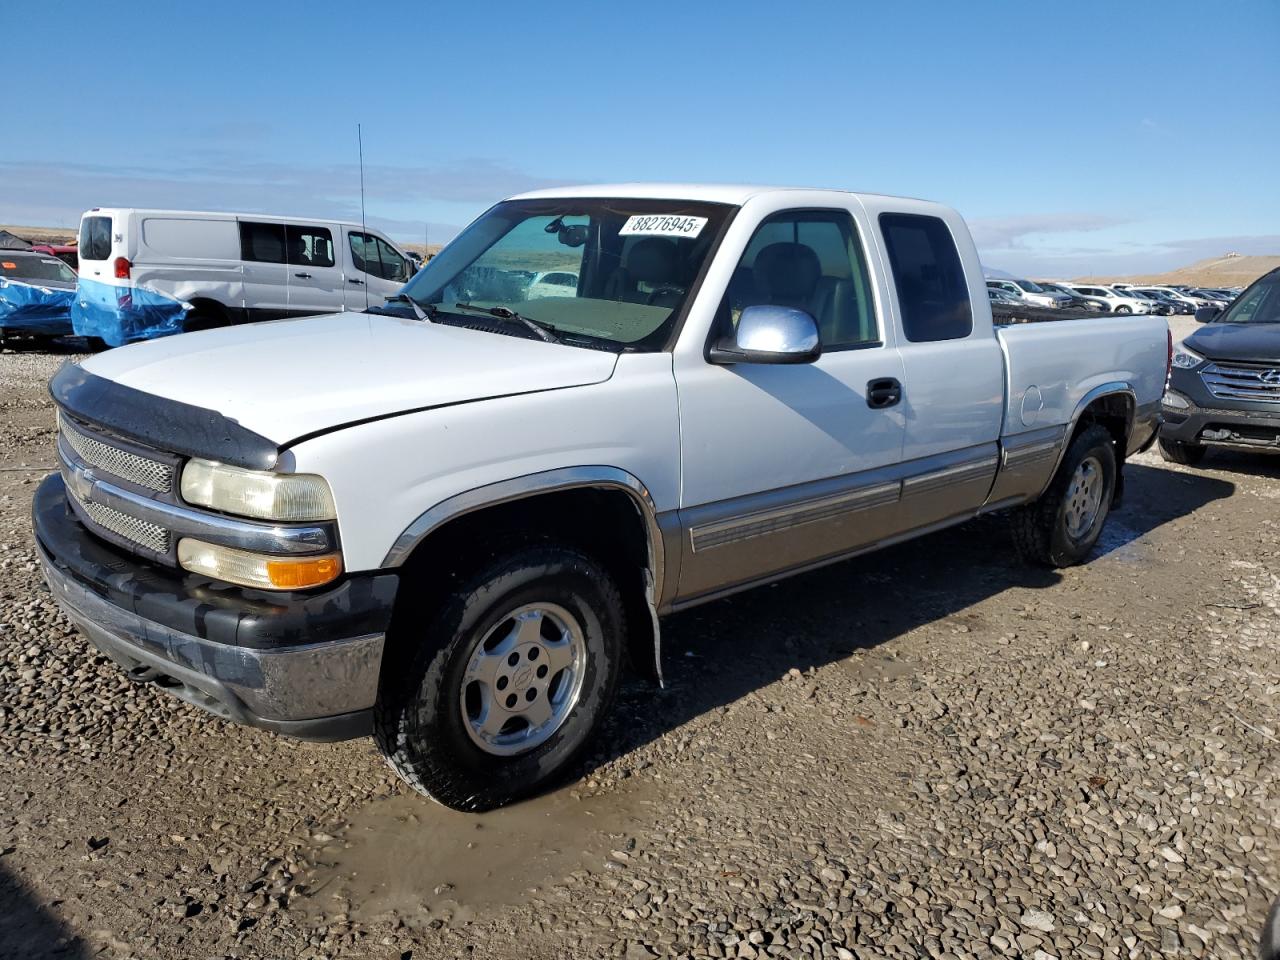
[147,273]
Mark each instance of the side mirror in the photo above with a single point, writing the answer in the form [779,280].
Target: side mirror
[770,334]
[1207,314]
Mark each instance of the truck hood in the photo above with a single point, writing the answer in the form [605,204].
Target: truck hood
[292,378]
[1259,342]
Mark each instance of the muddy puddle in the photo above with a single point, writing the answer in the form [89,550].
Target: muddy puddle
[408,858]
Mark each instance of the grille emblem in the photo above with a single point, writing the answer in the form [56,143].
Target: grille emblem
[1272,376]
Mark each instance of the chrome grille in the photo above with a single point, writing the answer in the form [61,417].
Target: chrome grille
[133,467]
[1238,381]
[143,533]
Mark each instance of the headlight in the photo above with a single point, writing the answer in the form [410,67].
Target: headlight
[1186,359]
[1175,401]
[257,493]
[257,570]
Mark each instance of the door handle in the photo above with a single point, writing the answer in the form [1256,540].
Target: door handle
[303,276]
[885,392]
[354,280]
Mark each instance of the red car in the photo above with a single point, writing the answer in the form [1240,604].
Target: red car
[64,252]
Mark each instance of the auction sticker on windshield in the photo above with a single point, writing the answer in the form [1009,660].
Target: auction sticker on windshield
[660,225]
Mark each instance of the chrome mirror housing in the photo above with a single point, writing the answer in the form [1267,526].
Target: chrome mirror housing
[770,334]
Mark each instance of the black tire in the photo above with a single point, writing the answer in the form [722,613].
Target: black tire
[1123,309]
[1187,454]
[96,344]
[419,719]
[1040,529]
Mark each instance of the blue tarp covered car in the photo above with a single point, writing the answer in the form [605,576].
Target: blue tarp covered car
[122,314]
[36,294]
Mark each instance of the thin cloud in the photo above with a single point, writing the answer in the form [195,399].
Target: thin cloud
[55,194]
[1011,233]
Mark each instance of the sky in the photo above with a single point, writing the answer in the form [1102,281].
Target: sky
[1093,137]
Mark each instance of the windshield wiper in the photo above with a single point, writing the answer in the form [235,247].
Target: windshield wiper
[429,312]
[544,331]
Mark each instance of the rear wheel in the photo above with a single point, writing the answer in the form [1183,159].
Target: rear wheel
[204,318]
[1187,454]
[489,697]
[1062,527]
[1123,309]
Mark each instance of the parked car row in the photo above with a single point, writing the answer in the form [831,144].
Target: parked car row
[1123,298]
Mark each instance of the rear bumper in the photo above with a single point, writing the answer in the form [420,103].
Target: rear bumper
[306,665]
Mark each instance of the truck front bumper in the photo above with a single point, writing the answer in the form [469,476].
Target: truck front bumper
[1241,429]
[304,664]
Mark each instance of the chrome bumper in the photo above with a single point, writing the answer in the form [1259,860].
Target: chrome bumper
[322,691]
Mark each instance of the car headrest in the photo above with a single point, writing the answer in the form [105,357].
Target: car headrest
[652,260]
[787,271]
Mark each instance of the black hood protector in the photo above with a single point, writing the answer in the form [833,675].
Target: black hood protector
[159,422]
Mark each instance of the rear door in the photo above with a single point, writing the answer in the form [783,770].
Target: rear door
[95,246]
[315,279]
[266,273]
[954,401]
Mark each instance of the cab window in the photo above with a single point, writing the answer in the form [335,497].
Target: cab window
[811,260]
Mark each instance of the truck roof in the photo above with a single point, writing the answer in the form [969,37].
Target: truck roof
[737,194]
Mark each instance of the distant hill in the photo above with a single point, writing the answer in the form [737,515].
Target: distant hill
[54,235]
[1229,270]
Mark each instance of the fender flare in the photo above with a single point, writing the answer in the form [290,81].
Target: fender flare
[1110,389]
[550,481]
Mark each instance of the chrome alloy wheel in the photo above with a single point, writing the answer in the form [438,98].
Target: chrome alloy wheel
[1084,498]
[523,679]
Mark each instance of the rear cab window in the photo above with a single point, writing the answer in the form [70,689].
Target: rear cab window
[95,238]
[933,295]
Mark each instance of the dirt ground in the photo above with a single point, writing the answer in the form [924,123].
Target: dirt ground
[927,752]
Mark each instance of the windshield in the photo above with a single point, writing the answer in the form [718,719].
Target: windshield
[35,269]
[611,272]
[1259,304]
[1029,286]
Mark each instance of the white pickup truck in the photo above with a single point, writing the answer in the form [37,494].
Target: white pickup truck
[449,520]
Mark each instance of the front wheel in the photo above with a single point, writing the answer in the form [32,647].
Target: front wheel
[1123,309]
[1187,454]
[488,698]
[1062,527]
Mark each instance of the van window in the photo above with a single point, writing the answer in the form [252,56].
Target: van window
[262,242]
[932,293]
[375,256]
[191,239]
[95,238]
[309,246]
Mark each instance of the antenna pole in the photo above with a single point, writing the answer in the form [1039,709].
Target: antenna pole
[364,227]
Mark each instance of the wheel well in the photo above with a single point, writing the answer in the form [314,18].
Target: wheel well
[211,308]
[1114,413]
[605,523]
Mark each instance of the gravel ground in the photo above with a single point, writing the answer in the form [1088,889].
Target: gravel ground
[927,752]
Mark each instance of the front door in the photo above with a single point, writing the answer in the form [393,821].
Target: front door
[374,270]
[786,465]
